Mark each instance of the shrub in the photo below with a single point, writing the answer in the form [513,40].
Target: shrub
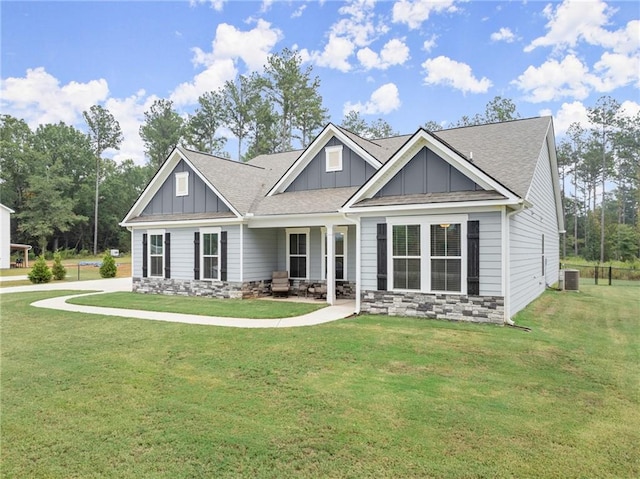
[108,268]
[58,270]
[40,273]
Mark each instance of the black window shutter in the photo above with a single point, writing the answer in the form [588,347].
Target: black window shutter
[167,255]
[223,256]
[144,255]
[196,255]
[473,258]
[382,256]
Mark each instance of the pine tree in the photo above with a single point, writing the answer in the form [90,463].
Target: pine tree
[108,269]
[40,273]
[58,270]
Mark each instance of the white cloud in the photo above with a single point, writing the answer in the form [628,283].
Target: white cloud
[630,108]
[555,80]
[429,44]
[573,21]
[574,112]
[445,71]
[571,78]
[503,35]
[335,55]
[299,11]
[129,112]
[217,5]
[616,70]
[38,98]
[252,46]
[414,13]
[382,101]
[357,29]
[394,52]
[229,45]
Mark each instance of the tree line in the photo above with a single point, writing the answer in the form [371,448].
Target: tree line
[599,166]
[68,195]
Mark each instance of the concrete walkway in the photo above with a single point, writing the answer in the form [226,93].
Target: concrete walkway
[342,309]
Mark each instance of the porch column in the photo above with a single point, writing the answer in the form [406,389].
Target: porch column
[331,266]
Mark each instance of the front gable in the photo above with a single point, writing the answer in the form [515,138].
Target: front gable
[197,198]
[163,200]
[352,169]
[427,172]
[360,164]
[425,166]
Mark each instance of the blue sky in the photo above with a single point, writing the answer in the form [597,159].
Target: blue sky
[406,61]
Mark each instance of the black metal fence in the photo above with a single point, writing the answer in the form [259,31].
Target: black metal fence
[603,274]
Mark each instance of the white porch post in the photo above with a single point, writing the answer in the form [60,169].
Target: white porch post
[331,266]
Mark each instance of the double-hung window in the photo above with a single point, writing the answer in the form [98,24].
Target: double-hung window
[446,257]
[406,257]
[156,253]
[210,252]
[298,252]
[427,253]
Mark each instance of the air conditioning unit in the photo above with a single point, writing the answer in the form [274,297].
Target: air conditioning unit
[571,279]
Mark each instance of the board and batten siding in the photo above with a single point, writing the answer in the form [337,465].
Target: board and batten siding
[201,199]
[526,229]
[355,171]
[182,252]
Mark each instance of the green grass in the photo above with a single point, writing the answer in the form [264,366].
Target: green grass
[91,396]
[227,308]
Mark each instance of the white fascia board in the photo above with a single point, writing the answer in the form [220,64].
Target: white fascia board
[154,185]
[181,224]
[312,150]
[555,176]
[158,180]
[407,152]
[6,208]
[433,208]
[295,221]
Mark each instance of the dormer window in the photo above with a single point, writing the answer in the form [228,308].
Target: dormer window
[334,158]
[182,183]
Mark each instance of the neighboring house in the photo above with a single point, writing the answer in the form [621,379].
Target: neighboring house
[457,224]
[5,236]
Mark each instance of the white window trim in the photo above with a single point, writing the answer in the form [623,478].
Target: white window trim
[182,178]
[291,231]
[425,223]
[151,233]
[204,231]
[327,152]
[336,229]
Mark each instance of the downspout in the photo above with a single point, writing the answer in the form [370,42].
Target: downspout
[356,221]
[506,257]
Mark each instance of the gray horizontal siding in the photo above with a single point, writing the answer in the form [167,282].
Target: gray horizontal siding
[182,252]
[260,253]
[490,252]
[526,229]
[369,253]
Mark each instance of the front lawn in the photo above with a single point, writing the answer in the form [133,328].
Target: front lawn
[92,396]
[226,308]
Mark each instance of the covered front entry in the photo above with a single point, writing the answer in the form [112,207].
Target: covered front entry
[312,254]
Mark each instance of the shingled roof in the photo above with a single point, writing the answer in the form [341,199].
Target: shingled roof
[506,151]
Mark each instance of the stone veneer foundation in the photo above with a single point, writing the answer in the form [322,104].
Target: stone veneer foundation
[228,289]
[477,309]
